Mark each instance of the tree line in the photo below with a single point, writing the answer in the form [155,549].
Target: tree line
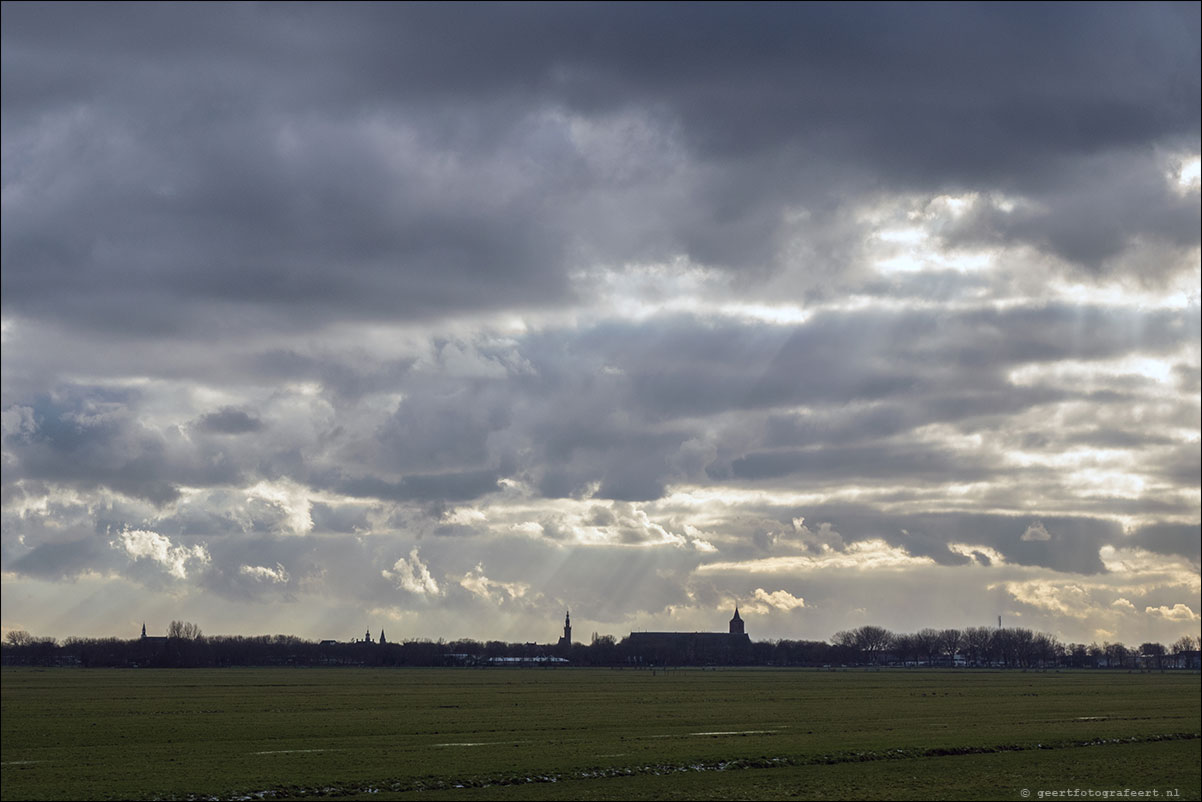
[1011,647]
[186,646]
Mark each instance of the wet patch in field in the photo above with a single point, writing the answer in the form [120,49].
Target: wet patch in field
[661,769]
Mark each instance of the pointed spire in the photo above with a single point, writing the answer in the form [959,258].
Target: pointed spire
[736,623]
[382,637]
[143,629]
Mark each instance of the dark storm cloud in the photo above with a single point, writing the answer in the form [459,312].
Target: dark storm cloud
[1180,539]
[1091,223]
[682,367]
[172,169]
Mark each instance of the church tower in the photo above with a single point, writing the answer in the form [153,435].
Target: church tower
[736,623]
[143,630]
[566,640]
[382,641]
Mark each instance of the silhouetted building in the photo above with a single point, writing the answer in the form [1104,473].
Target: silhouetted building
[152,640]
[736,624]
[691,648]
[565,642]
[382,641]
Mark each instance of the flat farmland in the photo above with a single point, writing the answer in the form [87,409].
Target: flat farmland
[595,734]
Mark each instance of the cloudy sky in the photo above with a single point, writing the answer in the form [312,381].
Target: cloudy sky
[441,319]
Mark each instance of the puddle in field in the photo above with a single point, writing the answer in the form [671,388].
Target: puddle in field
[20,762]
[483,743]
[293,751]
[716,732]
[657,769]
[1091,718]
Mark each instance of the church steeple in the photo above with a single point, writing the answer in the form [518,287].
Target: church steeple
[382,637]
[566,640]
[736,623]
[143,630]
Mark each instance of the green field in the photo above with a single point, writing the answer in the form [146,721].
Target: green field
[595,734]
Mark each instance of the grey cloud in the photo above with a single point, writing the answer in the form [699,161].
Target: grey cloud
[64,560]
[229,420]
[864,463]
[1087,223]
[432,430]
[620,410]
[1074,547]
[1180,539]
[321,163]
[339,518]
[222,204]
[450,487]
[92,438]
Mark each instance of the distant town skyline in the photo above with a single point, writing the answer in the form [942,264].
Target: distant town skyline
[445,319]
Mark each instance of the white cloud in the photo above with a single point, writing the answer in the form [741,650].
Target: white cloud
[1187,176]
[863,555]
[496,592]
[780,599]
[413,575]
[17,420]
[1123,605]
[1146,567]
[291,499]
[140,543]
[262,573]
[983,555]
[1178,612]
[1036,531]
[1063,598]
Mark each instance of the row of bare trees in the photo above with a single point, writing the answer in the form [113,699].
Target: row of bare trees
[1006,647]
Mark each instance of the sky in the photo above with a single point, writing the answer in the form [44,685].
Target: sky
[443,319]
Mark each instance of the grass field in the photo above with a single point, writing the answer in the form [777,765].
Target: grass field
[595,734]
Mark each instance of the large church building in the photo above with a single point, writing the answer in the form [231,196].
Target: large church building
[691,648]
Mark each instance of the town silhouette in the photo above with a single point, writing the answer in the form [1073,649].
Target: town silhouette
[185,646]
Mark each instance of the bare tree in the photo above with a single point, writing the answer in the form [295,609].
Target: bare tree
[1046,649]
[873,641]
[950,641]
[906,647]
[1153,650]
[870,641]
[928,644]
[184,630]
[19,637]
[1185,643]
[976,644]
